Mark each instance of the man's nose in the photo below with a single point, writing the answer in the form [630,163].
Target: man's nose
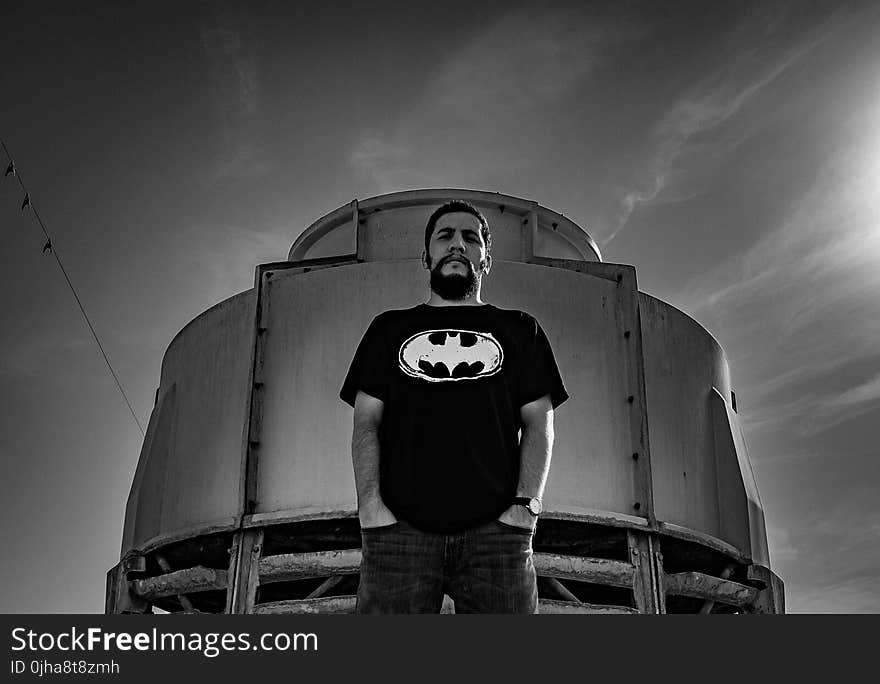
[457,243]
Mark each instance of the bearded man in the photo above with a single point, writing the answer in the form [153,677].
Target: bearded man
[453,433]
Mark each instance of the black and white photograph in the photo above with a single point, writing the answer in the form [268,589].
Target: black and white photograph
[450,308]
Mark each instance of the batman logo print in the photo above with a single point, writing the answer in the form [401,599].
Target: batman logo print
[450,355]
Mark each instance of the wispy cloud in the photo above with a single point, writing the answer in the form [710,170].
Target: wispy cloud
[681,143]
[487,108]
[235,75]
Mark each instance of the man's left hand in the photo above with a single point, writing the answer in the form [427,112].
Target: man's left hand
[518,516]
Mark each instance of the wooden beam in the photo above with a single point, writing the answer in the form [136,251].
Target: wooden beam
[708,606]
[596,570]
[561,591]
[326,586]
[698,585]
[550,607]
[771,597]
[646,592]
[186,581]
[185,603]
[293,566]
[329,604]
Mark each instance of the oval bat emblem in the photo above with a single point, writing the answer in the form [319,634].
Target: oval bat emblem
[450,355]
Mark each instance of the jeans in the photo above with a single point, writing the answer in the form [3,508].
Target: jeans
[488,569]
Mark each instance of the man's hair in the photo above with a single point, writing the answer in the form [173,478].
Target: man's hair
[452,207]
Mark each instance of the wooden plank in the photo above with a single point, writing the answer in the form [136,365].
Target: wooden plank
[247,572]
[330,604]
[346,604]
[561,590]
[550,607]
[186,581]
[708,606]
[771,598]
[294,566]
[326,586]
[699,585]
[645,587]
[596,570]
[185,603]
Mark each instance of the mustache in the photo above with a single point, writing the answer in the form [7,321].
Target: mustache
[454,257]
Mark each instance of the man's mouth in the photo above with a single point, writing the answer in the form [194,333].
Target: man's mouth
[453,259]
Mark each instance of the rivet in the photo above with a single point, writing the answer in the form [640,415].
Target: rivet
[636,456]
[630,398]
[619,277]
[626,334]
[637,505]
[269,274]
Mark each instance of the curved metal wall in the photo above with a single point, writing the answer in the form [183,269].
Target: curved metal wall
[189,475]
[644,379]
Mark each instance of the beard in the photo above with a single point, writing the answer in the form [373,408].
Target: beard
[454,286]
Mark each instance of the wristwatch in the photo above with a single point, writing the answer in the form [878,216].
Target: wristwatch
[533,504]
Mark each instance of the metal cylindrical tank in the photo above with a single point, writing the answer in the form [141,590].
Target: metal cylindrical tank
[244,500]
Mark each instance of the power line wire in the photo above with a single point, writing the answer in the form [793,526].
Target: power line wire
[28,202]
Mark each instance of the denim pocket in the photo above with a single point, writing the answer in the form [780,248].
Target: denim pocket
[381,528]
[513,528]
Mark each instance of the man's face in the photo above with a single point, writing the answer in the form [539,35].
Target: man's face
[457,255]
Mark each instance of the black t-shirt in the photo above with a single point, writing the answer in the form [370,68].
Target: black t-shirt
[452,380]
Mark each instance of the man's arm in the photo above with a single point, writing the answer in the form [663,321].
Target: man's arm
[372,512]
[535,449]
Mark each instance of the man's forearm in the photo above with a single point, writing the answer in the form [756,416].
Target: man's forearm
[535,450]
[365,458]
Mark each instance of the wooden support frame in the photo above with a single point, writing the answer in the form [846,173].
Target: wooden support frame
[242,594]
[709,588]
[180,582]
[330,604]
[646,593]
[119,597]
[551,607]
[295,566]
[771,595]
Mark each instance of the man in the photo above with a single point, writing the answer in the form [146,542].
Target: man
[453,430]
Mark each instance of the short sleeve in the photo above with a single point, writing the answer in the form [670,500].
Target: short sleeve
[367,372]
[540,375]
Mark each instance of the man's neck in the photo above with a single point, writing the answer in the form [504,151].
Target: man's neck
[437,300]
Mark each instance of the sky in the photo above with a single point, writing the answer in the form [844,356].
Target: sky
[729,151]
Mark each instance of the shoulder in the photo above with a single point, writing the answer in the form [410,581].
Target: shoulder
[391,316]
[521,319]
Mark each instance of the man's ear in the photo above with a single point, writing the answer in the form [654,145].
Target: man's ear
[488,264]
[425,263]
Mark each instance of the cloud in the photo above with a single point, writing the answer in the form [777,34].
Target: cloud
[678,169]
[486,109]
[221,259]
[235,77]
[859,595]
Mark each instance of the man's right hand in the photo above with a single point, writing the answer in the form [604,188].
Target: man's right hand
[375,514]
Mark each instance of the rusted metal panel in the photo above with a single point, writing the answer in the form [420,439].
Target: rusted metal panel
[593,465]
[740,508]
[390,228]
[189,470]
[682,365]
[702,586]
